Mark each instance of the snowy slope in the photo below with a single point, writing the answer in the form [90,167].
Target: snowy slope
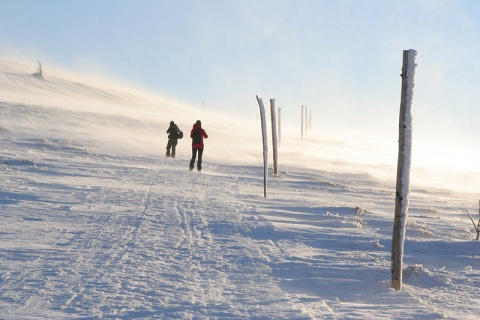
[96,223]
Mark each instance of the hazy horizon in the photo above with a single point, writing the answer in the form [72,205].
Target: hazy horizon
[137,119]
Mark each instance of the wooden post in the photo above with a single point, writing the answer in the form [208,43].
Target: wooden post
[265,146]
[274,136]
[279,126]
[302,122]
[403,167]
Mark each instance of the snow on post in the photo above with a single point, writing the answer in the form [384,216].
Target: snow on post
[274,135]
[265,146]
[403,167]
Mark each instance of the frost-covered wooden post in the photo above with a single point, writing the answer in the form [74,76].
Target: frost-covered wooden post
[403,166]
[265,146]
[274,136]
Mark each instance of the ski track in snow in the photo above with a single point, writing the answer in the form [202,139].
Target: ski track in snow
[133,242]
[133,237]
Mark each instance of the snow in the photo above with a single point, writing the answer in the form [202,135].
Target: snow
[97,223]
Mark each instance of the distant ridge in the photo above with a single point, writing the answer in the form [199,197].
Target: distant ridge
[68,91]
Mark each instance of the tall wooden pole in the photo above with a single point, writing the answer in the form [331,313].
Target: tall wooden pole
[403,167]
[274,135]
[265,146]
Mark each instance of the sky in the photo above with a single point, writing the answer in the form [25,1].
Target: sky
[342,59]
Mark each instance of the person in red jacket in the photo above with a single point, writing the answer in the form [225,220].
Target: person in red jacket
[197,134]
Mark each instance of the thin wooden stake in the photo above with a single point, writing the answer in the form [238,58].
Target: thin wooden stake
[265,145]
[403,167]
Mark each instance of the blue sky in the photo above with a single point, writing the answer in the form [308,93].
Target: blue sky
[340,58]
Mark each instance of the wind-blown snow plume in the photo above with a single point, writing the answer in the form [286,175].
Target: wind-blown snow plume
[110,117]
[119,118]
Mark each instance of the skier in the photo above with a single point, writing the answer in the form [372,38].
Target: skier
[173,135]
[197,134]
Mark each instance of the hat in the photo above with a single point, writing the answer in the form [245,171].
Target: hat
[198,122]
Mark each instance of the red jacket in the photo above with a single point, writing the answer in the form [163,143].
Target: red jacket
[202,132]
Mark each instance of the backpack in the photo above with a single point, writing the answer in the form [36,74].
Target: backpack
[179,134]
[197,137]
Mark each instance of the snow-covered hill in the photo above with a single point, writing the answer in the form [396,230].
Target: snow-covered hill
[96,223]
[110,117]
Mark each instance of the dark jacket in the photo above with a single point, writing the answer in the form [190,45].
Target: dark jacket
[203,134]
[173,132]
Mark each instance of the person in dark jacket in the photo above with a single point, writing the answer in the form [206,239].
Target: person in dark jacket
[197,134]
[172,131]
